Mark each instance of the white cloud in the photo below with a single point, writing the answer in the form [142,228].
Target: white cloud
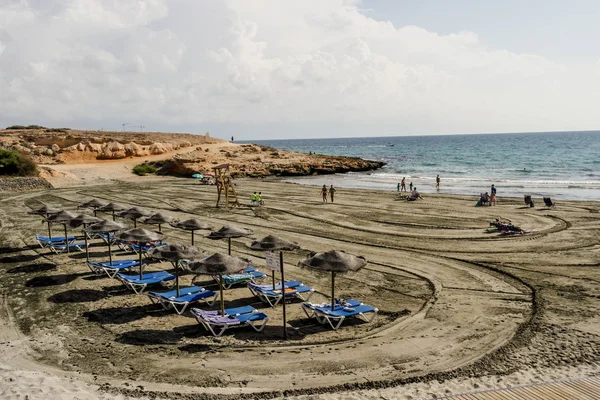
[192,63]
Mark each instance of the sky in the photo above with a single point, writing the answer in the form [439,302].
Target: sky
[273,69]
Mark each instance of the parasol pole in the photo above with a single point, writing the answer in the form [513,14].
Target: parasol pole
[66,238]
[109,249]
[140,251]
[222,298]
[177,276]
[229,246]
[332,290]
[283,294]
[192,237]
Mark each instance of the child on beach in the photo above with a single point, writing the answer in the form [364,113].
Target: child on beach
[437,182]
[324,193]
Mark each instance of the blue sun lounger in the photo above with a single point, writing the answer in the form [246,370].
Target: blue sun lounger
[58,248]
[187,295]
[250,274]
[134,247]
[272,297]
[138,285]
[310,308]
[111,270]
[340,313]
[217,324]
[45,241]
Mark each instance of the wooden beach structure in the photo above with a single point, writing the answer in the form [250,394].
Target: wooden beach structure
[225,184]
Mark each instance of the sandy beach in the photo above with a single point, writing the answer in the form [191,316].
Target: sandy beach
[460,309]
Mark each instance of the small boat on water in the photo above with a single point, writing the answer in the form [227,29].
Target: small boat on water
[390,145]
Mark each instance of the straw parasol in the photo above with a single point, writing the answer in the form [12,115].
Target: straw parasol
[141,236]
[229,231]
[335,261]
[274,243]
[191,225]
[62,217]
[45,211]
[107,227]
[112,207]
[134,213]
[218,264]
[175,253]
[158,219]
[93,204]
[85,220]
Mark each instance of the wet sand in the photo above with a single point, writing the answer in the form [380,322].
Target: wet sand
[459,307]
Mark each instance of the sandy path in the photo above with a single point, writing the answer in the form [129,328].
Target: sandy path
[432,259]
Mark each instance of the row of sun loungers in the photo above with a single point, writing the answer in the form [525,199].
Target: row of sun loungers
[127,272]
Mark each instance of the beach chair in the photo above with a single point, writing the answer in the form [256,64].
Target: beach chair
[217,324]
[111,270]
[138,285]
[187,295]
[292,289]
[58,248]
[549,203]
[310,308]
[136,248]
[249,274]
[106,237]
[336,317]
[528,200]
[45,241]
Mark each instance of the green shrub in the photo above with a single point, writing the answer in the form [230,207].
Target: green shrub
[15,163]
[143,169]
[26,127]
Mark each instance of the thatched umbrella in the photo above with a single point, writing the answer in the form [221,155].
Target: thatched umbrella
[85,220]
[274,243]
[229,231]
[141,236]
[45,211]
[158,219]
[335,261]
[175,253]
[107,227]
[94,204]
[191,225]
[112,207]
[134,213]
[62,217]
[218,264]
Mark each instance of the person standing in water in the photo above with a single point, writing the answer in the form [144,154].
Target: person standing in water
[331,192]
[324,193]
[437,182]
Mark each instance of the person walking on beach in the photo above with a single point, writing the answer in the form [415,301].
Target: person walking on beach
[403,185]
[398,187]
[411,186]
[324,193]
[331,192]
[253,199]
[437,182]
[493,197]
[260,200]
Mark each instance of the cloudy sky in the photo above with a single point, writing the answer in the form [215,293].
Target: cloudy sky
[260,69]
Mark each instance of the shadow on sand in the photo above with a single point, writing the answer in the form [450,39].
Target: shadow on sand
[32,268]
[78,296]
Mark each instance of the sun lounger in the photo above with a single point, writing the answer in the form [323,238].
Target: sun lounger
[250,274]
[138,285]
[106,237]
[111,270]
[45,241]
[217,324]
[310,308]
[187,295]
[134,247]
[341,311]
[272,297]
[549,203]
[337,316]
[58,248]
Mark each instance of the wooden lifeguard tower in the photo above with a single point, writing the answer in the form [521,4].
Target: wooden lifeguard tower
[225,184]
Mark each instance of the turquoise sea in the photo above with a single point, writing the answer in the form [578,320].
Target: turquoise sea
[563,165]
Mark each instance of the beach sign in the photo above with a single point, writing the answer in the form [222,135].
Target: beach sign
[273,261]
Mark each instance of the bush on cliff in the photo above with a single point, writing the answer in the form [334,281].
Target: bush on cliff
[16,164]
[143,169]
